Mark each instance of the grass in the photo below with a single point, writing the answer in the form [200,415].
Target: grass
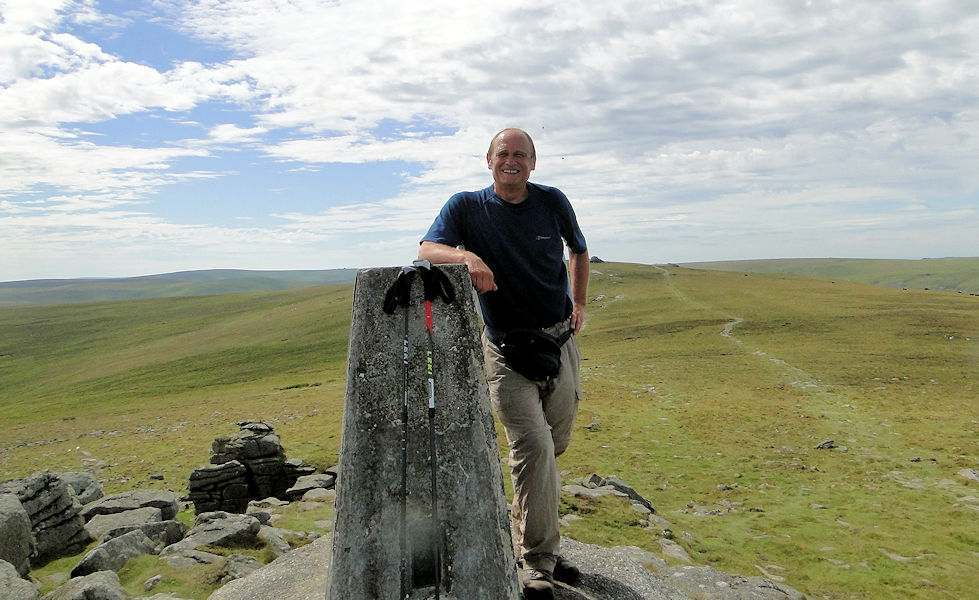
[958,274]
[886,373]
[689,417]
[130,389]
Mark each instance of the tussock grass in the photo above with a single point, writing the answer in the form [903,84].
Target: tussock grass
[690,417]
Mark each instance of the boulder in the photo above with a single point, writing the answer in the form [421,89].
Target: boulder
[217,476]
[217,529]
[184,558]
[674,550]
[632,494]
[581,491]
[264,517]
[51,505]
[299,575]
[266,504]
[238,566]
[971,474]
[16,540]
[163,533]
[86,487]
[248,465]
[320,495]
[219,487]
[310,482]
[254,439]
[164,500]
[275,538]
[12,586]
[99,525]
[113,554]
[264,474]
[103,585]
[294,468]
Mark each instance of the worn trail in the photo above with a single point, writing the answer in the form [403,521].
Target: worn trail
[797,377]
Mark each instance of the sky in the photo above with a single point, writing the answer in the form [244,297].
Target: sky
[158,136]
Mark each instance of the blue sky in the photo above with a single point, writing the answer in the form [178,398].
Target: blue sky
[148,137]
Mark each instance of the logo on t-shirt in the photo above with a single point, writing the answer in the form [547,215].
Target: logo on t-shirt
[543,237]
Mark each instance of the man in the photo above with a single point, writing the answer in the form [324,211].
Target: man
[513,234]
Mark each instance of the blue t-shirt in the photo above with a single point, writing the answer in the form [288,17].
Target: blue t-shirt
[523,244]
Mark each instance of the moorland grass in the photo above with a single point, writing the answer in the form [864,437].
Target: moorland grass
[959,274]
[731,423]
[711,389]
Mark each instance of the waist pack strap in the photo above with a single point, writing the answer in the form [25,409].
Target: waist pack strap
[496,336]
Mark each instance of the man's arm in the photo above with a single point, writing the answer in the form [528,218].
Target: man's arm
[579,270]
[481,275]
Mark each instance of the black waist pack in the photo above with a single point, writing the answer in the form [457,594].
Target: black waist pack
[533,353]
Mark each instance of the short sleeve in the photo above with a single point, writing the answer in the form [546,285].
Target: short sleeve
[447,228]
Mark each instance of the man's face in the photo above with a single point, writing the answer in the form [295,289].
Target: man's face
[511,159]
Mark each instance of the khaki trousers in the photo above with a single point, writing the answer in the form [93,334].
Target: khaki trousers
[537,418]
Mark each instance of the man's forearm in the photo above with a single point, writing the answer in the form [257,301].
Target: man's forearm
[579,271]
[440,253]
[482,276]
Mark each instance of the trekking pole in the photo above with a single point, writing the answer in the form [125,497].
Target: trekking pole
[436,285]
[399,294]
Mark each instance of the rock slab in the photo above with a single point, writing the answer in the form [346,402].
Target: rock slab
[103,585]
[297,575]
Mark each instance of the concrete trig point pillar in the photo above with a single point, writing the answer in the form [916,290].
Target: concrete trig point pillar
[477,552]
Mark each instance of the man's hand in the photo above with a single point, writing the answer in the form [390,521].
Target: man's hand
[578,318]
[480,274]
[579,270]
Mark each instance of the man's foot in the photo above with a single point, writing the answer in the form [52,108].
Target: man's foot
[565,571]
[537,585]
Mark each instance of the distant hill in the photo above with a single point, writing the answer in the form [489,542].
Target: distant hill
[956,274]
[166,285]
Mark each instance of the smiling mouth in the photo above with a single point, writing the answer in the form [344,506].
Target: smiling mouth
[511,171]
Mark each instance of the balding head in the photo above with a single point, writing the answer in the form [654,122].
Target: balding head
[533,151]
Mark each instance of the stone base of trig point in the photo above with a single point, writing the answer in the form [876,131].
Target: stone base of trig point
[477,555]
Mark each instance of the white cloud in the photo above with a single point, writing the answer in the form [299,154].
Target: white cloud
[229,133]
[29,159]
[667,122]
[32,15]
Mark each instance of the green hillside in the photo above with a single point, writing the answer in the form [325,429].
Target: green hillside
[710,391]
[167,285]
[956,274]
